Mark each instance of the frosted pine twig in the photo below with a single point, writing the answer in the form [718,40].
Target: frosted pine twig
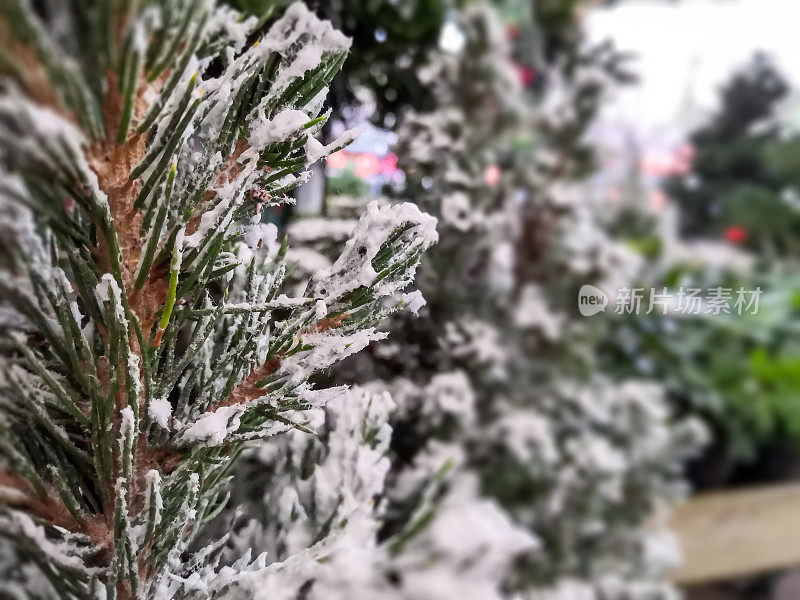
[143,343]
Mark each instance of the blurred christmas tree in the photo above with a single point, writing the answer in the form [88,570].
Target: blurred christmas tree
[498,396]
[743,186]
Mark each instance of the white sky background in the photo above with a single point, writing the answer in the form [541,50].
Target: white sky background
[685,52]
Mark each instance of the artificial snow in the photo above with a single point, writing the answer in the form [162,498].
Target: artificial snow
[212,428]
[160,411]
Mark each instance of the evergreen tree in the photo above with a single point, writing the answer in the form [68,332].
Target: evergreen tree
[742,185]
[498,403]
[146,339]
[507,372]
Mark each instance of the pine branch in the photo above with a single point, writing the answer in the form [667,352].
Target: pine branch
[141,354]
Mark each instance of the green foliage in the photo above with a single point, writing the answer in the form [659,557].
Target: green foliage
[744,170]
[346,183]
[737,371]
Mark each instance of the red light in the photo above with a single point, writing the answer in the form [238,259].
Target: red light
[735,234]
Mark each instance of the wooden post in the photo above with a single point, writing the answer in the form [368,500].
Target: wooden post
[734,533]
